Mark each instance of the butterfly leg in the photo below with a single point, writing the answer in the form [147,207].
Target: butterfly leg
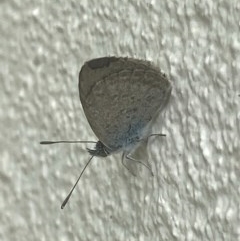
[152,135]
[140,140]
[124,155]
[148,167]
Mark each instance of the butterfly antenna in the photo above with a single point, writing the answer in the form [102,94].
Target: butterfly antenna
[70,193]
[56,142]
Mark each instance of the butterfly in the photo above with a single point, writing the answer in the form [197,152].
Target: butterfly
[120,98]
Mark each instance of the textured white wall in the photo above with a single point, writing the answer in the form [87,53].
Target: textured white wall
[194,194]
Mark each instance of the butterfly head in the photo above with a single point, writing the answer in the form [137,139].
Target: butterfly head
[99,150]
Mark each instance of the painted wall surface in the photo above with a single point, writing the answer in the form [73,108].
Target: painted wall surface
[195,192]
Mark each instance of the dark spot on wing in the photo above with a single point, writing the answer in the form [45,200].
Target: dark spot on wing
[101,62]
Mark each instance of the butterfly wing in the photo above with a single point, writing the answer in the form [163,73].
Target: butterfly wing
[120,96]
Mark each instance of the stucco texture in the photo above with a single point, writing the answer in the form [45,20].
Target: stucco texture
[194,193]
